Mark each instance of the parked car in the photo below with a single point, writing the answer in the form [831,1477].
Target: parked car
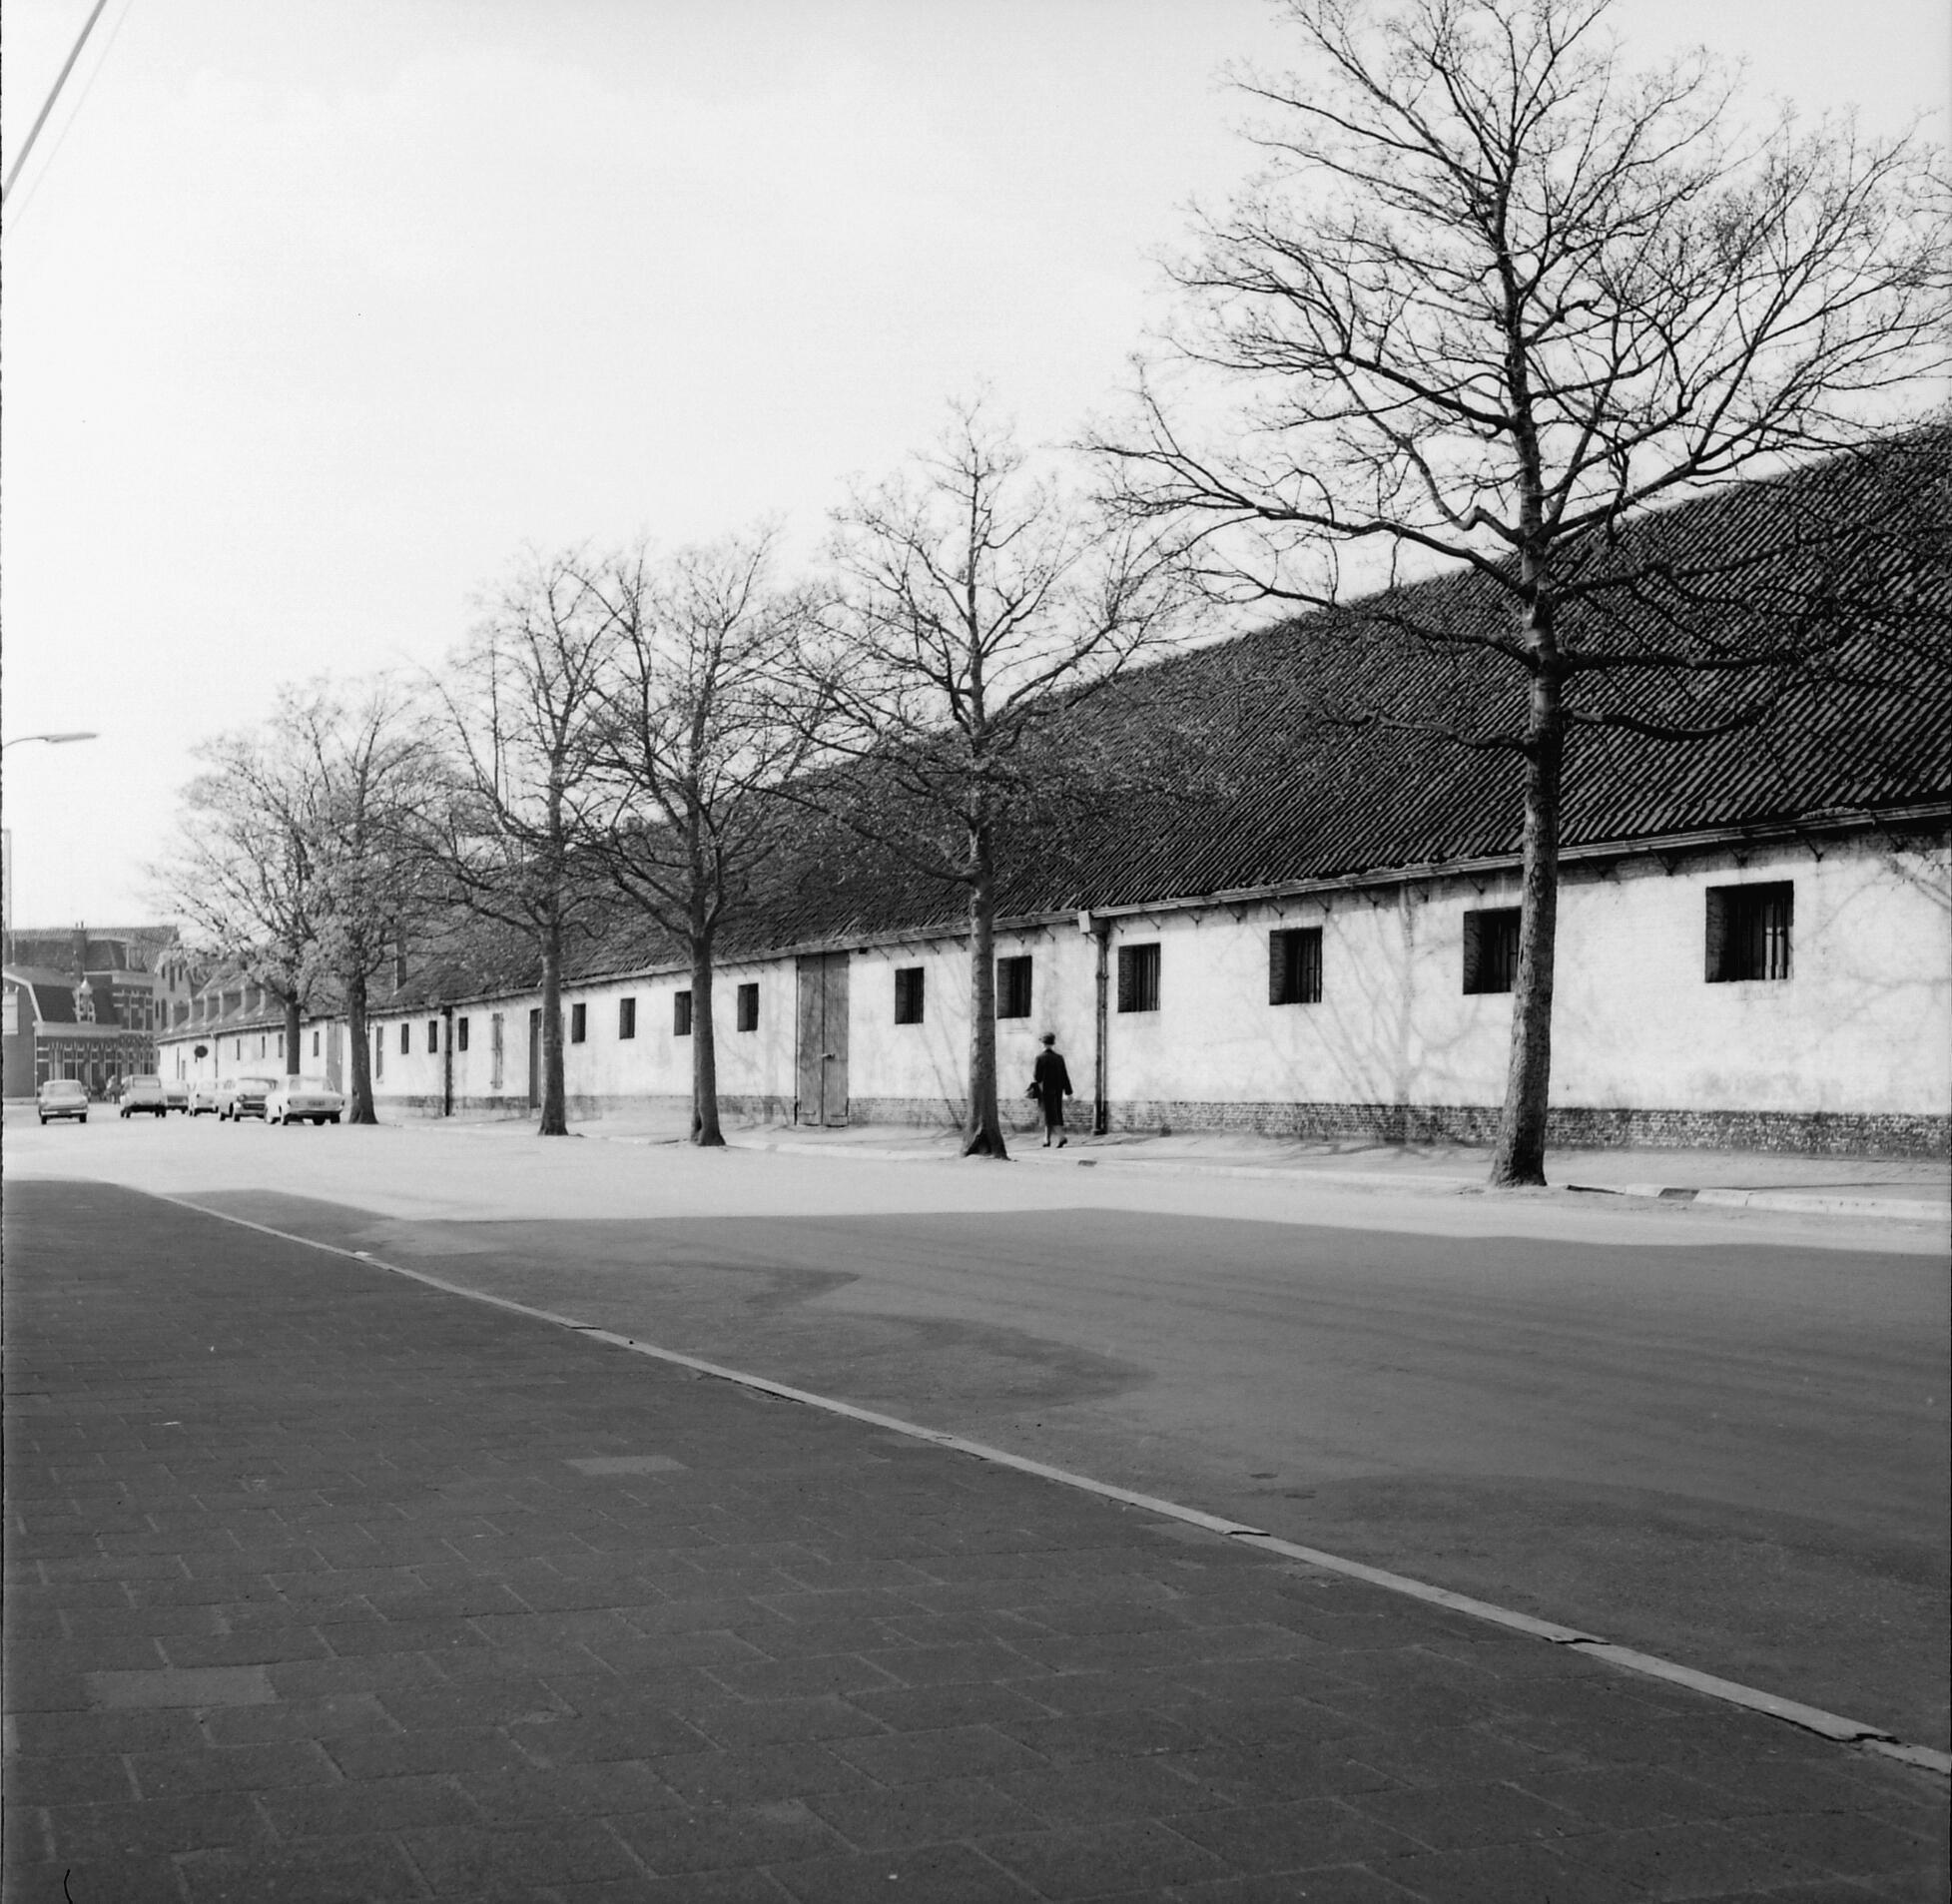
[62,1097]
[295,1099]
[202,1096]
[143,1092]
[241,1097]
[176,1094]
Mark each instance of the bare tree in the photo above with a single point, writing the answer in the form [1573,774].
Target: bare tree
[977,606]
[693,743]
[365,755]
[242,870]
[524,705]
[1494,295]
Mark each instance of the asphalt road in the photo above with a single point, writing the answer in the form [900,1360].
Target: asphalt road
[1721,1441]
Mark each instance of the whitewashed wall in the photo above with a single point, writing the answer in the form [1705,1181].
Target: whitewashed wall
[1862,1029]
[1863,1025]
[914,1070]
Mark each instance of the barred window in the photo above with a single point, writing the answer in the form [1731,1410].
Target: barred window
[1014,988]
[749,1007]
[1294,966]
[626,1018]
[579,1023]
[1138,978]
[1491,949]
[907,994]
[681,1014]
[1750,931]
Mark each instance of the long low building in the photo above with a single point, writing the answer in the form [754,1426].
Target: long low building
[1298,914]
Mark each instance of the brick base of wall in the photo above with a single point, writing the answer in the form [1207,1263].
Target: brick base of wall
[1018,1114]
[1568,1127]
[587,1107]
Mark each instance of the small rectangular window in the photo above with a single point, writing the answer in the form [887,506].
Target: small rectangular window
[406,1038]
[579,1023]
[681,1014]
[907,994]
[1294,966]
[380,1052]
[460,1035]
[433,1034]
[626,1018]
[1014,988]
[1138,978]
[1750,931]
[749,1007]
[315,1044]
[494,1050]
[1491,949]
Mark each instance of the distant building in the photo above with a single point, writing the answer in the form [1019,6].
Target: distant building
[226,1025]
[81,1004]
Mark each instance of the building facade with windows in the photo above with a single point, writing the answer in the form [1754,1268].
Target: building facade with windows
[80,1004]
[229,1025]
[1299,914]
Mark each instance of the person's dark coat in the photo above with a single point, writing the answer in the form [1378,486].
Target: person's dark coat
[1054,1085]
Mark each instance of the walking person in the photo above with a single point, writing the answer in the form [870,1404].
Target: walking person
[1051,1085]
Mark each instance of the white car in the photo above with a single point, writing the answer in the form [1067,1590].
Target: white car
[241,1097]
[293,1100]
[62,1097]
[144,1092]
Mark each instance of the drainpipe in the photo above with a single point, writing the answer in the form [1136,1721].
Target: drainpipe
[447,1060]
[1100,931]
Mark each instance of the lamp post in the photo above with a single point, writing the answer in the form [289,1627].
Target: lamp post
[21,740]
[54,740]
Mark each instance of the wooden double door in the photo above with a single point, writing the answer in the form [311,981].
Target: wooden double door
[823,1039]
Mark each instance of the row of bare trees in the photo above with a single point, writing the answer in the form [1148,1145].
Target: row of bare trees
[1494,295]
[620,726]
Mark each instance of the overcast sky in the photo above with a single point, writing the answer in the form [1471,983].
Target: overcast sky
[316,312]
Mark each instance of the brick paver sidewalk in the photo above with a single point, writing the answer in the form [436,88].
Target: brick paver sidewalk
[326,1585]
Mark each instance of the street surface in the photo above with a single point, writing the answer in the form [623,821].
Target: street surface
[1719,1437]
[327,1585]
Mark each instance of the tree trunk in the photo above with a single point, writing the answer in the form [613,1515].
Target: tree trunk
[705,1129]
[983,1134]
[293,1031]
[1521,1154]
[358,1053]
[555,1119]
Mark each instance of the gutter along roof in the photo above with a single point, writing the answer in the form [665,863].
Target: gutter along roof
[1308,755]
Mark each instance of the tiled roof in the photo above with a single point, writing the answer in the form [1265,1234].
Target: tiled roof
[1241,763]
[53,993]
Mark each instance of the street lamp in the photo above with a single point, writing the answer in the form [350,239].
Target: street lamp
[55,739]
[7,876]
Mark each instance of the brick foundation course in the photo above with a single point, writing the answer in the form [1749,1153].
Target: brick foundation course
[1570,1128]
[324,1583]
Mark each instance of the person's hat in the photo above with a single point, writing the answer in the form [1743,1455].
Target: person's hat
[1050,1038]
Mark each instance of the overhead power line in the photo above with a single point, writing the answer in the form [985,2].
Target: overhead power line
[60,80]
